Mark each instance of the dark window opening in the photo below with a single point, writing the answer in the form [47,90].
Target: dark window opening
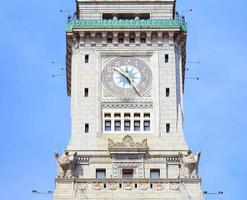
[108,125]
[117,125]
[168,128]
[166,58]
[137,125]
[127,125]
[127,115]
[86,58]
[132,40]
[143,40]
[146,115]
[167,92]
[86,92]
[117,115]
[109,40]
[138,115]
[100,173]
[121,40]
[107,115]
[146,126]
[127,173]
[86,128]
[154,173]
[126,16]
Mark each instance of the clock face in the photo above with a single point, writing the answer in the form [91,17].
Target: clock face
[127,77]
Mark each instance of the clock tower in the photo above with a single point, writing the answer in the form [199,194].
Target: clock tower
[125,75]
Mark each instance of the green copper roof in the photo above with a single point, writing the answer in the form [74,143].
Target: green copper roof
[127,24]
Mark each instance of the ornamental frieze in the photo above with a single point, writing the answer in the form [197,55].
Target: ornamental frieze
[127,144]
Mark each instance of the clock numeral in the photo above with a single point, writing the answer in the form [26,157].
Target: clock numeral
[110,69]
[126,61]
[108,76]
[117,64]
[143,69]
[126,93]
[110,84]
[145,75]
[143,84]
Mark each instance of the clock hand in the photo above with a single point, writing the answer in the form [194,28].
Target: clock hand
[121,72]
[132,83]
[126,75]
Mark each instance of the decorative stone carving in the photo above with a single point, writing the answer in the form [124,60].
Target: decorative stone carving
[65,164]
[128,186]
[174,186]
[127,143]
[189,164]
[97,186]
[112,186]
[82,186]
[159,186]
[144,186]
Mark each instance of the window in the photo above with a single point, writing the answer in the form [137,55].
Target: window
[127,115]
[146,115]
[146,126]
[132,40]
[137,115]
[117,125]
[137,125]
[168,128]
[154,173]
[86,58]
[108,125]
[100,173]
[86,128]
[127,125]
[125,16]
[86,92]
[143,40]
[109,40]
[166,58]
[167,92]
[120,40]
[107,115]
[117,115]
[127,173]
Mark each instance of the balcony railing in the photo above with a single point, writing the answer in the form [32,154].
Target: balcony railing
[130,184]
[127,24]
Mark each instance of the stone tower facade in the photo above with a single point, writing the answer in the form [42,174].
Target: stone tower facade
[125,76]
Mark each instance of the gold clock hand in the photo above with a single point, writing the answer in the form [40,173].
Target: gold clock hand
[126,75]
[120,71]
[132,83]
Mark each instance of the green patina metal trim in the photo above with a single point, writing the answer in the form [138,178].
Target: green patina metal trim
[127,24]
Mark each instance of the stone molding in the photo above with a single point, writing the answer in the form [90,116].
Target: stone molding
[127,105]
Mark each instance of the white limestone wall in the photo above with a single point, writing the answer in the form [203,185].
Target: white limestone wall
[157,10]
[88,109]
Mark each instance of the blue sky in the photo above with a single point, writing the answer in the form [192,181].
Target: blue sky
[35,111]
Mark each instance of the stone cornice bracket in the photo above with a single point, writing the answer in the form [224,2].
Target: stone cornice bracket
[128,146]
[82,39]
[171,38]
